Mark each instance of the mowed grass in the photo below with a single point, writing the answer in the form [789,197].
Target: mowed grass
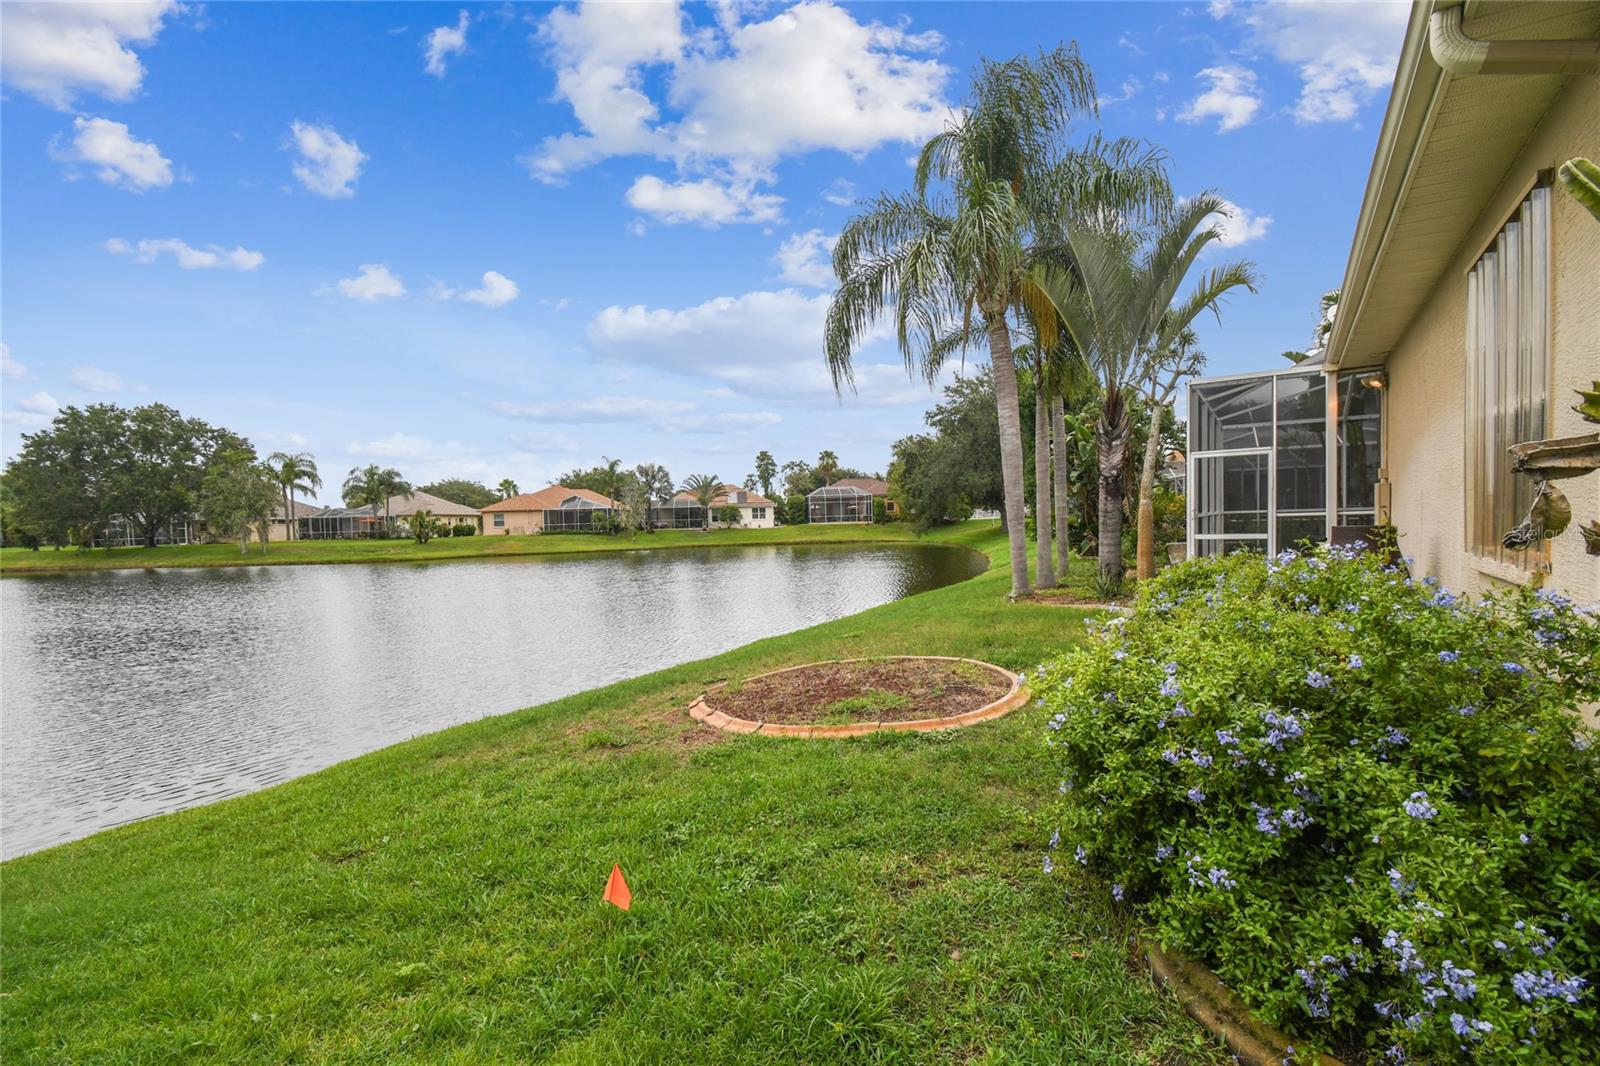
[280,553]
[872,900]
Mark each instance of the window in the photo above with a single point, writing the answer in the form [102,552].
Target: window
[757,513]
[1508,313]
[499,520]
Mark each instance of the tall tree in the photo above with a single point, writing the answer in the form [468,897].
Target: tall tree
[238,494]
[372,486]
[508,488]
[611,477]
[1118,302]
[704,488]
[1166,371]
[827,466]
[391,484]
[942,255]
[798,478]
[766,470]
[294,473]
[463,491]
[657,485]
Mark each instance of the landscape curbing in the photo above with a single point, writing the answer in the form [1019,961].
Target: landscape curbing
[1015,697]
[1220,1010]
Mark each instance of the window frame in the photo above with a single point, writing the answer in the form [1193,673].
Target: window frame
[1486,473]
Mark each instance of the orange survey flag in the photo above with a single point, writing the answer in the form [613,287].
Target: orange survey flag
[617,892]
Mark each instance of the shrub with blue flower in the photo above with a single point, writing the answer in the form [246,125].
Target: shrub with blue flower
[1337,820]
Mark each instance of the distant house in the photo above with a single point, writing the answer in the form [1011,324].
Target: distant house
[555,509]
[402,508]
[849,500]
[683,511]
[1175,471]
[278,524]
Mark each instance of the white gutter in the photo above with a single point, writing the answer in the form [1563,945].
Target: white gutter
[1461,55]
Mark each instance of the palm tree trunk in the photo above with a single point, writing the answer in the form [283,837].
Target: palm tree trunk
[1147,506]
[1058,425]
[1005,399]
[287,508]
[1044,565]
[1111,439]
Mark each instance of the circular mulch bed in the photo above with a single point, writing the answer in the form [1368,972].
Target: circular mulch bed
[853,697]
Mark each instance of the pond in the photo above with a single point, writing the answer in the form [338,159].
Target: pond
[125,694]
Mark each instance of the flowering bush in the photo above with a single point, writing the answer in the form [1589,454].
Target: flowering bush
[1364,801]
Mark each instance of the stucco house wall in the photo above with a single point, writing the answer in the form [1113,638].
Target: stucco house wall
[1427,390]
[520,523]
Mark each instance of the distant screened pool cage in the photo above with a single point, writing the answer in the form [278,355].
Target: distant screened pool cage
[575,515]
[123,532]
[1269,450]
[839,503]
[342,523]
[678,514]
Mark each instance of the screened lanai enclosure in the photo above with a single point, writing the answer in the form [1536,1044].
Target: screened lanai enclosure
[839,503]
[1268,451]
[342,523]
[576,515]
[678,514]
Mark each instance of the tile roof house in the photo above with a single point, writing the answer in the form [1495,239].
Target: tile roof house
[554,508]
[850,499]
[1467,316]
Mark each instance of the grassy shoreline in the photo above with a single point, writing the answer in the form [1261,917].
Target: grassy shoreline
[794,901]
[15,561]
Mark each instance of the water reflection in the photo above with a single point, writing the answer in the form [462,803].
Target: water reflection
[130,693]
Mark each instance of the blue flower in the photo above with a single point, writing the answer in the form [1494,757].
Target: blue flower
[1419,807]
[1227,739]
[1169,687]
[1116,893]
[1449,656]
[1196,796]
[1049,865]
[1163,853]
[1081,855]
[1317,679]
[1170,668]
[1466,710]
[1514,668]
[1356,662]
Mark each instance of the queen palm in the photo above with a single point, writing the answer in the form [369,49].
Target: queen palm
[827,466]
[937,257]
[611,478]
[1118,301]
[704,488]
[293,473]
[508,488]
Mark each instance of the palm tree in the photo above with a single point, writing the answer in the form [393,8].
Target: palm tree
[1166,370]
[363,488]
[293,473]
[932,262]
[657,484]
[391,484]
[1116,302]
[827,466]
[611,476]
[704,488]
[508,488]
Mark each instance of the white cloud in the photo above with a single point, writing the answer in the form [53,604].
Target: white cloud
[1345,53]
[1239,225]
[40,403]
[211,257]
[94,379]
[375,282]
[9,367]
[444,41]
[54,51]
[543,440]
[804,259]
[841,192]
[119,157]
[1232,98]
[705,201]
[328,165]
[1127,91]
[497,290]
[766,344]
[732,101]
[599,409]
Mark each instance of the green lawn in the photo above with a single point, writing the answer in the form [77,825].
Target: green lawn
[879,899]
[20,560]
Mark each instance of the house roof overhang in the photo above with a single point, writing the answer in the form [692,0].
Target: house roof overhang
[1447,143]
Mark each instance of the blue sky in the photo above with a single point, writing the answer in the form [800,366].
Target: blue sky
[491,241]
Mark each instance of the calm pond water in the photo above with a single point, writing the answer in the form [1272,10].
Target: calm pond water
[130,693]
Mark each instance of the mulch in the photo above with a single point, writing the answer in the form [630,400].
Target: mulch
[895,690]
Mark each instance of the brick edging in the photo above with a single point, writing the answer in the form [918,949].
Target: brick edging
[1015,697]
